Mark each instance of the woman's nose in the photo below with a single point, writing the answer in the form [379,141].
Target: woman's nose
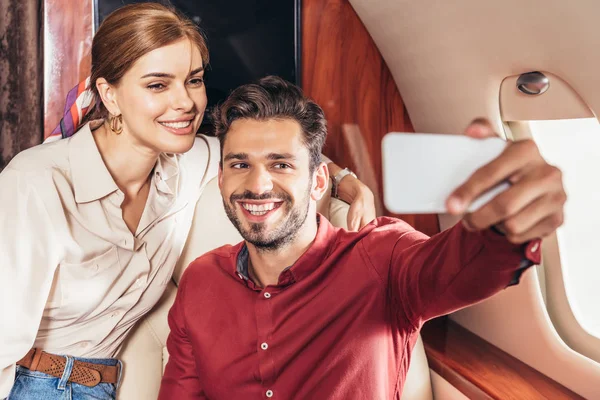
[182,101]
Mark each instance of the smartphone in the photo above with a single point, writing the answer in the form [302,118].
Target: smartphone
[420,170]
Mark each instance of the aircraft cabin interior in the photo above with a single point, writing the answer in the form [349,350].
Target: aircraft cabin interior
[378,67]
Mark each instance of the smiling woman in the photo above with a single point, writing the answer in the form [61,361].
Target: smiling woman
[93,226]
[160,100]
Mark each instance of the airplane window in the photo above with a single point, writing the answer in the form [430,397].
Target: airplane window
[573,146]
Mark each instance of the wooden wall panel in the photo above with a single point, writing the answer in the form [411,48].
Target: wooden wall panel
[20,77]
[481,370]
[67,53]
[344,72]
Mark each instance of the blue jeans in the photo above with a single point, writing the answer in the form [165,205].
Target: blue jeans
[35,385]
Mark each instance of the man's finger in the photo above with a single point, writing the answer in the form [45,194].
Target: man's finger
[512,201]
[512,160]
[539,230]
[480,128]
[534,214]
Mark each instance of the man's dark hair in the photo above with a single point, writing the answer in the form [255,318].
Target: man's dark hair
[274,98]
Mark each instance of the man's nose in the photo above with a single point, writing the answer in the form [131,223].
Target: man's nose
[259,181]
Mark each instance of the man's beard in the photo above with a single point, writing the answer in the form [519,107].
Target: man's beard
[284,233]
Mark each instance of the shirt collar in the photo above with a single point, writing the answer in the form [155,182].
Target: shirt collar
[317,252]
[166,173]
[308,262]
[91,179]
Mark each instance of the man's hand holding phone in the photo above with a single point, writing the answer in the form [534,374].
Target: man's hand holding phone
[532,207]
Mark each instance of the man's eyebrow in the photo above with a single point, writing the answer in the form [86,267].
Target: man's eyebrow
[171,76]
[236,156]
[281,156]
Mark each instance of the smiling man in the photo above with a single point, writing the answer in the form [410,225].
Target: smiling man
[304,310]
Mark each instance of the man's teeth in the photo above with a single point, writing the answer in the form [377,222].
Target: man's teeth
[258,209]
[177,125]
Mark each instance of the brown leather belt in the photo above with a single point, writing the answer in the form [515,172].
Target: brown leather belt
[84,373]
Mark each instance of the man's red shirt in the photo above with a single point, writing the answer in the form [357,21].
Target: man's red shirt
[343,319]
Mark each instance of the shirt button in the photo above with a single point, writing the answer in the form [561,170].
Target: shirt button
[138,283]
[84,344]
[115,314]
[267,295]
[264,346]
[269,393]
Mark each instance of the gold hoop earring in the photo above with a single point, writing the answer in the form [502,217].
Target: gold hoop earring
[116,123]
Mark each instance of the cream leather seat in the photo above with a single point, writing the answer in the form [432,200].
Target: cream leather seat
[144,353]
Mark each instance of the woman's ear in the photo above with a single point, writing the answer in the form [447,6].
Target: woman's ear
[108,95]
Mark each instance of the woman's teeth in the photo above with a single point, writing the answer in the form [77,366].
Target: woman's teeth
[258,209]
[176,125]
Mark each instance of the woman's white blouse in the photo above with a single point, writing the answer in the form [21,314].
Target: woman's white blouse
[73,278]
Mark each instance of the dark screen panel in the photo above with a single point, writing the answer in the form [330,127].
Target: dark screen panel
[247,39]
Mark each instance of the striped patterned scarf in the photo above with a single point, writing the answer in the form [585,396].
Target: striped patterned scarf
[80,101]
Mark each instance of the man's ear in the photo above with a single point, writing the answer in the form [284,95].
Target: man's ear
[108,95]
[220,175]
[320,182]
